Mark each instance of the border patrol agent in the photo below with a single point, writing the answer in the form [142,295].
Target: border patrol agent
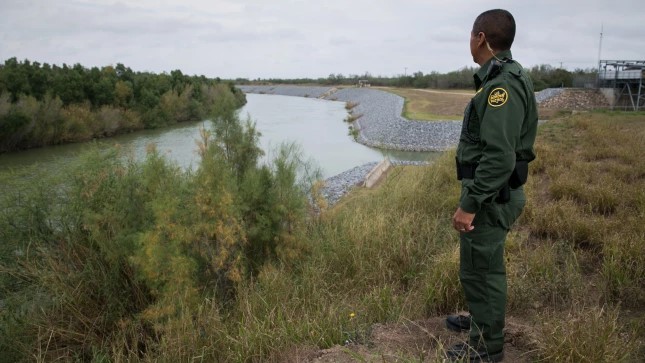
[495,147]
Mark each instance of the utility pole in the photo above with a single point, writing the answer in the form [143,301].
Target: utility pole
[599,53]
[405,73]
[600,47]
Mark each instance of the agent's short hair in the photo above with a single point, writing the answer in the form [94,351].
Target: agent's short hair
[499,27]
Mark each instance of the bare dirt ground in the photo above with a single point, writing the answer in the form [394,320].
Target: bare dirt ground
[413,341]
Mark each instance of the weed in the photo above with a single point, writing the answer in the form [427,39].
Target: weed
[585,334]
[351,117]
[547,274]
[350,105]
[353,132]
[623,267]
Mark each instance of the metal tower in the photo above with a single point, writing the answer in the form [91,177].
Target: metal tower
[626,78]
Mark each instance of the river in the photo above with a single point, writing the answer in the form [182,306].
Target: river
[316,125]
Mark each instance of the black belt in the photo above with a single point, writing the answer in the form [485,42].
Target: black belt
[517,179]
[465,171]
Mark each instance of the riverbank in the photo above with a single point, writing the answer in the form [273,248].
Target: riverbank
[380,125]
[378,116]
[339,185]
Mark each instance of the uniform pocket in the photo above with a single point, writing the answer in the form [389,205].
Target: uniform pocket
[511,211]
[488,255]
[488,215]
[483,250]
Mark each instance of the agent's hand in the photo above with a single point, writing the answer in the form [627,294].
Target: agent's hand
[463,221]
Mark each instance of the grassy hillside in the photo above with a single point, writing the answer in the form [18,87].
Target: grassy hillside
[576,262]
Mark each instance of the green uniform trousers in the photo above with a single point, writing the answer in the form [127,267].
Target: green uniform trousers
[482,270]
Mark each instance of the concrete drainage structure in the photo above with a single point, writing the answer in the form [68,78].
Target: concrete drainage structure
[377,172]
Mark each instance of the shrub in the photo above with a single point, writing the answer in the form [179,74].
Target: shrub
[120,256]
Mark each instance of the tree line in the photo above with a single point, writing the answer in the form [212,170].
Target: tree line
[42,104]
[544,76]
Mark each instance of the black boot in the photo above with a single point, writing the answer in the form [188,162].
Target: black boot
[465,353]
[458,323]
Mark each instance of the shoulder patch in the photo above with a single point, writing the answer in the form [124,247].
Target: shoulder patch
[497,97]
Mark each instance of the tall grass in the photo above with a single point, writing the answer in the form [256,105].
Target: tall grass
[591,197]
[585,335]
[130,261]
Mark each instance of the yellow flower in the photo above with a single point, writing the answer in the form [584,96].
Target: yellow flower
[351,315]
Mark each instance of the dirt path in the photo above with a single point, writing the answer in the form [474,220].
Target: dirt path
[413,341]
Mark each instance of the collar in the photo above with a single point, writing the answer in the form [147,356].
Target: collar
[483,71]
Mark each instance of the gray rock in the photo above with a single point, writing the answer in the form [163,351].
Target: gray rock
[547,94]
[339,185]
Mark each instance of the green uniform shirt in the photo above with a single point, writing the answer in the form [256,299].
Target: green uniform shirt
[499,127]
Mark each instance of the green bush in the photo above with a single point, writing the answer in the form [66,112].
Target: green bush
[118,254]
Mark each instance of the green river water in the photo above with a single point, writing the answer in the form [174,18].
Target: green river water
[316,125]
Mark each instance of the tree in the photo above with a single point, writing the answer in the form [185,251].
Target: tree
[119,100]
[14,126]
[15,78]
[123,93]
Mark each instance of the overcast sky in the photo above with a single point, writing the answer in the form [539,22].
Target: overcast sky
[307,38]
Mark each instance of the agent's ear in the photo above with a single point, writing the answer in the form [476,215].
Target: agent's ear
[481,38]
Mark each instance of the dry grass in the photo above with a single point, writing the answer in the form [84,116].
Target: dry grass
[579,243]
[584,334]
[549,113]
[389,255]
[580,240]
[588,188]
[432,105]
[575,262]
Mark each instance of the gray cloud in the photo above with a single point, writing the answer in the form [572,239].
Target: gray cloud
[298,38]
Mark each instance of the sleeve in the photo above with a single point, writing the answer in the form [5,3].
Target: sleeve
[501,115]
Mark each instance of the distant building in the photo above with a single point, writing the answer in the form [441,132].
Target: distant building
[363,83]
